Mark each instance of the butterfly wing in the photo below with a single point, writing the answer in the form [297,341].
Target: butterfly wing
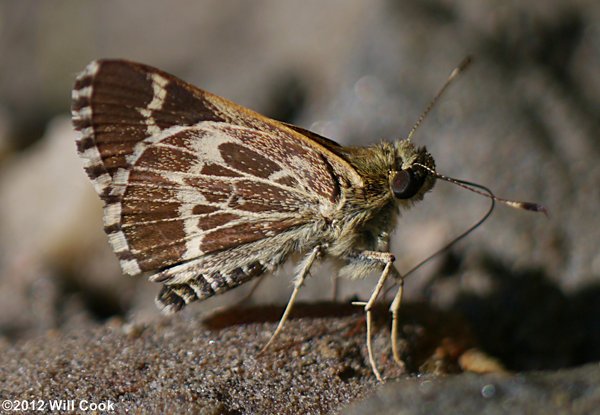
[185,173]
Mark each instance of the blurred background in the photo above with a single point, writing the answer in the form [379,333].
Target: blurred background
[523,120]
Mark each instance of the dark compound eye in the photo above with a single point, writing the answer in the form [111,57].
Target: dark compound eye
[405,184]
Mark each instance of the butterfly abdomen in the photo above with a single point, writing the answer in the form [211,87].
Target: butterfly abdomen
[173,297]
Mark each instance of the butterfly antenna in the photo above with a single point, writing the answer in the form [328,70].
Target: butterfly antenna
[481,190]
[462,235]
[460,68]
[473,187]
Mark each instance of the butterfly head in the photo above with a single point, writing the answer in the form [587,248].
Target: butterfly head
[412,176]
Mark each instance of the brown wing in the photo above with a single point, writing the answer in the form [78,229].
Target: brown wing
[184,173]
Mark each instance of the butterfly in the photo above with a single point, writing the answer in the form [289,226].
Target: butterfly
[204,195]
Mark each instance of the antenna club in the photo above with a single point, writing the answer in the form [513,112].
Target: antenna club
[533,207]
[464,64]
[461,67]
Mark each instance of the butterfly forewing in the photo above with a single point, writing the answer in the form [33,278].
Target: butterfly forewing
[185,173]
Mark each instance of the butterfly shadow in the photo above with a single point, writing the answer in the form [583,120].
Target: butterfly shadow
[530,323]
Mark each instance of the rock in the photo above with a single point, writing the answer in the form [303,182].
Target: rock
[569,391]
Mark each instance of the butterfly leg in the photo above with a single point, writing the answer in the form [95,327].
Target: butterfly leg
[334,288]
[387,259]
[298,282]
[394,308]
[250,293]
[245,298]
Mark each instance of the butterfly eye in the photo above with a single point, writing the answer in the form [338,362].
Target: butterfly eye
[405,184]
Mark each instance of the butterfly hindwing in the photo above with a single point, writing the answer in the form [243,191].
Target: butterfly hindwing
[202,190]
